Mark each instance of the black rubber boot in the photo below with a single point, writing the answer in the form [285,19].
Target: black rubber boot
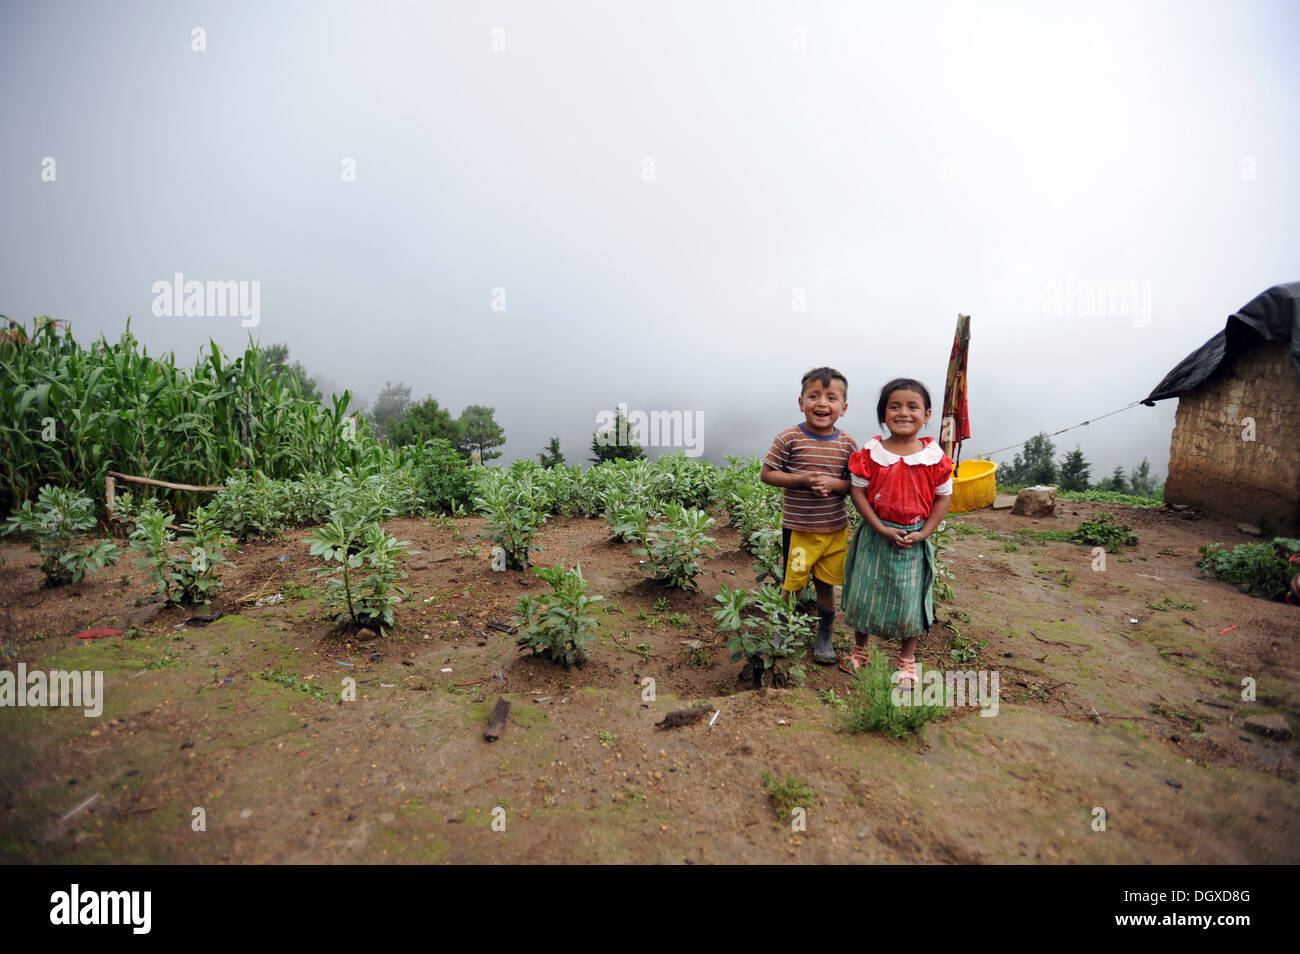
[824,649]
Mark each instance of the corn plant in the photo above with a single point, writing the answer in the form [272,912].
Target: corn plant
[70,414]
[185,569]
[514,514]
[558,625]
[60,515]
[363,565]
[766,630]
[675,546]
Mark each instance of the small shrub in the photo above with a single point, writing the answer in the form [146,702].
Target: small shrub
[788,793]
[363,564]
[185,569]
[675,546]
[558,625]
[1263,567]
[514,515]
[1103,531]
[766,630]
[630,522]
[871,704]
[59,515]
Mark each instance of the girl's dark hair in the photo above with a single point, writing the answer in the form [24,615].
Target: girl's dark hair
[900,384]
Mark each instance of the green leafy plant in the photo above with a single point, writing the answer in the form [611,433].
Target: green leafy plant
[788,793]
[942,586]
[558,625]
[1104,531]
[514,514]
[363,565]
[833,699]
[964,650]
[872,708]
[1168,602]
[1262,567]
[697,656]
[291,681]
[60,515]
[766,630]
[630,522]
[186,570]
[675,546]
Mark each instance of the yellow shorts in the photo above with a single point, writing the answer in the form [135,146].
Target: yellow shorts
[822,553]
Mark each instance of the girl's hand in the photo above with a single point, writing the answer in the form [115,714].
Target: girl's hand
[898,537]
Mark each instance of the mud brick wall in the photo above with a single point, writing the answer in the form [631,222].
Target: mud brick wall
[1212,468]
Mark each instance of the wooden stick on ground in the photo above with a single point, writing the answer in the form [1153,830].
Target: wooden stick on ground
[496,725]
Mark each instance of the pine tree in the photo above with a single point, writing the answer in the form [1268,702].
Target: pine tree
[480,433]
[551,456]
[1117,482]
[1074,471]
[615,442]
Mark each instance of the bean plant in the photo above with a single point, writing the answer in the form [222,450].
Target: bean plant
[675,546]
[515,512]
[765,629]
[60,515]
[363,564]
[558,625]
[186,569]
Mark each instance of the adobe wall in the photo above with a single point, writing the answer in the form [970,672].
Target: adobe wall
[1214,468]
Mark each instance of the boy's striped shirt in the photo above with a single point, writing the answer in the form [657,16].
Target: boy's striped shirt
[798,451]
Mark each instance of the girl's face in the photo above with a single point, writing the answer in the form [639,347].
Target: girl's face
[906,413]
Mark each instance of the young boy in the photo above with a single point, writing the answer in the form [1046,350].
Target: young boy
[810,460]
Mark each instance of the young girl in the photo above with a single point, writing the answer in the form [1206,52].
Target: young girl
[902,486]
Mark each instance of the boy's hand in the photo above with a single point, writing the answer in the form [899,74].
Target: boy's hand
[822,485]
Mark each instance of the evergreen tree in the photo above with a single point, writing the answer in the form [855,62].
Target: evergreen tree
[615,442]
[1074,471]
[480,433]
[391,404]
[551,456]
[1116,481]
[422,422]
[1140,482]
[1036,466]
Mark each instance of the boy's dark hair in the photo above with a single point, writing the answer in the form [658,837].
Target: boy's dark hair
[824,377]
[900,384]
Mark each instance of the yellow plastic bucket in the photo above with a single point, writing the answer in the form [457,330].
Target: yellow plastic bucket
[974,486]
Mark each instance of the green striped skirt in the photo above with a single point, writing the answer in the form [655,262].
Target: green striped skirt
[888,591]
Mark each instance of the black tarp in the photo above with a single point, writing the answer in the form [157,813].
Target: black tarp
[1272,316]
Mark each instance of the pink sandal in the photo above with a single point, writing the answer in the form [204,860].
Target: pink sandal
[907,668]
[858,657]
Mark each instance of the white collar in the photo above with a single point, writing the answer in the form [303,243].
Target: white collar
[931,453]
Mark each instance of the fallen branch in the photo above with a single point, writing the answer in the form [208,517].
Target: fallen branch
[496,725]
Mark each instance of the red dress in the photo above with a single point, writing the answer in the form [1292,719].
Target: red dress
[902,489]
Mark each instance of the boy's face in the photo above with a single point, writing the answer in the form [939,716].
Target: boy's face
[823,405]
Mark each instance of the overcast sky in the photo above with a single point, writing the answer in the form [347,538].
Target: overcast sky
[680,205]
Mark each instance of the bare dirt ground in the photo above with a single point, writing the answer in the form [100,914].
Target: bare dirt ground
[1141,721]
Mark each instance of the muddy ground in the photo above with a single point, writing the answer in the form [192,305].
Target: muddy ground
[1142,720]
